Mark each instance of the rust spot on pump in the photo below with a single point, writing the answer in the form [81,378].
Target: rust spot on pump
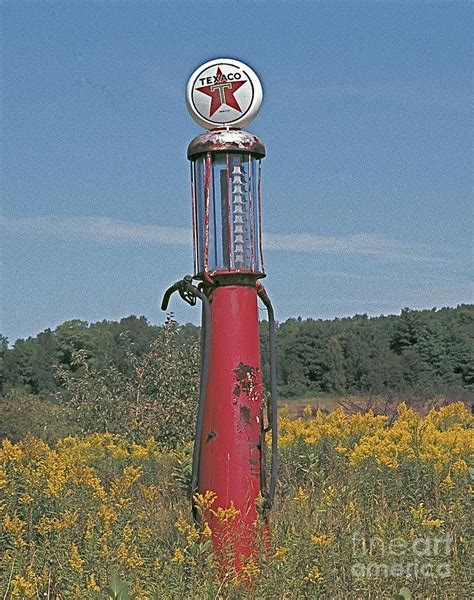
[245,414]
[210,436]
[247,381]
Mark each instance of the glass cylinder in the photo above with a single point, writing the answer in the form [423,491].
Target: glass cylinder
[226,210]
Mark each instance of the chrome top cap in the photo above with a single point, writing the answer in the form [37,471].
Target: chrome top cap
[226,140]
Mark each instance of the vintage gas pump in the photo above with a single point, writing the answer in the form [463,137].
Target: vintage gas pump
[229,452]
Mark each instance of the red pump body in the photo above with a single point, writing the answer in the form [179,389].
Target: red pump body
[231,442]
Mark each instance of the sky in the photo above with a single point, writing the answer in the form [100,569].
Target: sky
[367,183]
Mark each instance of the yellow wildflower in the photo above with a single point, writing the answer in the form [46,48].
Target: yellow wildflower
[3,478]
[127,532]
[90,526]
[11,452]
[460,466]
[314,575]
[75,560]
[25,499]
[92,584]
[251,570]
[204,501]
[122,485]
[178,556]
[321,540]
[134,559]
[280,551]
[117,451]
[22,588]
[14,525]
[107,513]
[122,553]
[144,534]
[226,514]
[447,481]
[150,492]
[138,452]
[206,531]
[301,496]
[432,522]
[193,535]
[181,524]
[418,512]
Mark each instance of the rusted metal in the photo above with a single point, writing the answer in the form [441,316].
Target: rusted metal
[226,140]
[207,191]
[252,216]
[193,203]
[262,267]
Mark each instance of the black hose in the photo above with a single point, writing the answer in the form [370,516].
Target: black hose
[188,292]
[273,395]
[205,349]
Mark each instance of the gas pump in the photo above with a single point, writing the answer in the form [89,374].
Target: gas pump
[229,450]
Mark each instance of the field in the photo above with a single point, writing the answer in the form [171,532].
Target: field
[365,509]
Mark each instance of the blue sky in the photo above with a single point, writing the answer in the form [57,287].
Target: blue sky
[367,190]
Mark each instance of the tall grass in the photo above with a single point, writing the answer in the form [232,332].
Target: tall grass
[364,509]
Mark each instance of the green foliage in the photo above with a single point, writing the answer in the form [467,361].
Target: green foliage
[29,366]
[118,589]
[403,594]
[419,353]
[154,395]
[23,414]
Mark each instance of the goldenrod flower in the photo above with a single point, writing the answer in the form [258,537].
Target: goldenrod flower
[321,540]
[432,522]
[204,501]
[225,515]
[75,559]
[314,575]
[251,570]
[25,499]
[134,559]
[144,534]
[92,584]
[150,492]
[22,588]
[122,553]
[301,496]
[280,551]
[206,531]
[127,532]
[181,524]
[178,556]
[14,525]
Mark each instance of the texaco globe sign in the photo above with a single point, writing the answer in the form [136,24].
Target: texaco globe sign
[224,93]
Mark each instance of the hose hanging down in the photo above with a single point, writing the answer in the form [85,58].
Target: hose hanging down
[189,293]
[270,493]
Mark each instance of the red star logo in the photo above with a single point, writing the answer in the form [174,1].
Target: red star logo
[222,92]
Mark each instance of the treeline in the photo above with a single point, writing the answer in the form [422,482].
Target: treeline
[416,353]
